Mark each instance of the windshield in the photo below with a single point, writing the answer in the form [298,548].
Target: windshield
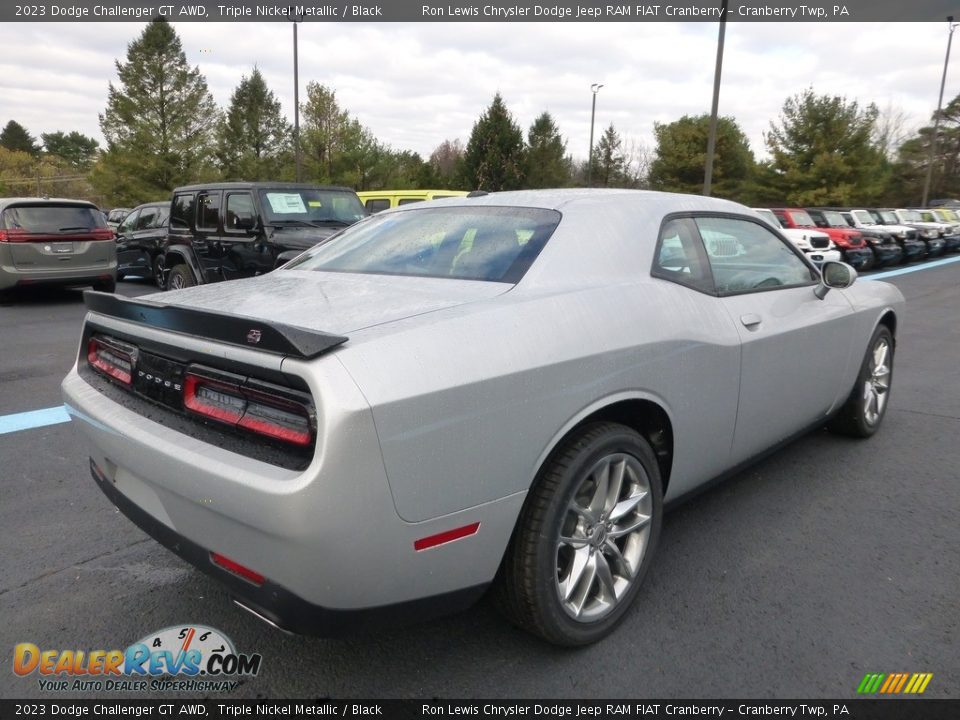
[911,215]
[770,218]
[928,216]
[471,243]
[835,219]
[53,218]
[864,217]
[947,215]
[310,206]
[888,217]
[800,217]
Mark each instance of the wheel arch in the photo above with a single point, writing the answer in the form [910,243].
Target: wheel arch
[889,319]
[181,255]
[644,413]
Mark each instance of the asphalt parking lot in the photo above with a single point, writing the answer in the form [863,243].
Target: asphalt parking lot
[830,559]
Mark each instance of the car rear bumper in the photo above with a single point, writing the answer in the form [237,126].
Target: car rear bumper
[326,539]
[273,603]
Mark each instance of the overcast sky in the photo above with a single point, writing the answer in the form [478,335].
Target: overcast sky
[416,84]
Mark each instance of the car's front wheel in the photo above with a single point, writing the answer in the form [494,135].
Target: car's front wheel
[585,537]
[864,409]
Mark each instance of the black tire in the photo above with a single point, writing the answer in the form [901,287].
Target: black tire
[538,563]
[180,277]
[107,286]
[120,276]
[156,271]
[867,403]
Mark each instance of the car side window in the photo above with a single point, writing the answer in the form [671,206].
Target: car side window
[408,201]
[147,219]
[239,214]
[375,205]
[129,223]
[745,256]
[679,256]
[208,210]
[182,210]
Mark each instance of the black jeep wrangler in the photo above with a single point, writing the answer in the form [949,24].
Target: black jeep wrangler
[222,231]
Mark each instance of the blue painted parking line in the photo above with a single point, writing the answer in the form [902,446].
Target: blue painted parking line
[33,419]
[914,268]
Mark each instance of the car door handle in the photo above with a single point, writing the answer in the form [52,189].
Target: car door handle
[750,320]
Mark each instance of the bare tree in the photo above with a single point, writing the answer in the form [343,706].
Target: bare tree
[891,129]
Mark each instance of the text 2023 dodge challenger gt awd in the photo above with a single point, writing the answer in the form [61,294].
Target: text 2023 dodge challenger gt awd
[501,389]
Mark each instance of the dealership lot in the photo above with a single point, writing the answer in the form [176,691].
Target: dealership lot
[828,560]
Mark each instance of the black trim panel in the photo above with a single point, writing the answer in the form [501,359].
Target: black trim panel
[272,337]
[278,605]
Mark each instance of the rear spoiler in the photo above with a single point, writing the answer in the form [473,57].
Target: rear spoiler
[246,332]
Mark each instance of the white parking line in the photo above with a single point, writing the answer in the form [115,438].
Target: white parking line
[913,268]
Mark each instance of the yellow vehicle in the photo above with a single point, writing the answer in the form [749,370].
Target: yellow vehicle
[377,200]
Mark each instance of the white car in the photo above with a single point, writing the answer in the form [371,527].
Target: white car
[815,245]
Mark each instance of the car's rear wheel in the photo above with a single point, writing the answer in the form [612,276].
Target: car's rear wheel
[180,277]
[585,537]
[864,409]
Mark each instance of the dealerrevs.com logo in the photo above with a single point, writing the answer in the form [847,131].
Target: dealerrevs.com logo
[191,658]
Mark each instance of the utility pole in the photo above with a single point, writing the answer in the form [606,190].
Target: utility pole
[712,136]
[595,88]
[936,118]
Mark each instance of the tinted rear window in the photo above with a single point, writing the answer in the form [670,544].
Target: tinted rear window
[471,243]
[53,218]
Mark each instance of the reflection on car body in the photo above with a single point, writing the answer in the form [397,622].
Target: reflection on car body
[495,390]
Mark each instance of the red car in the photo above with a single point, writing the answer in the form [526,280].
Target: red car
[851,243]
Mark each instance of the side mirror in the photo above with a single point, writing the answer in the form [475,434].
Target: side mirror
[834,275]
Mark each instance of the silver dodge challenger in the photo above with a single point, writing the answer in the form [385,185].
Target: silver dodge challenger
[501,391]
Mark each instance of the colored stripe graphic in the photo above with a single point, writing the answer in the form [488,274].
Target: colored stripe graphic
[894,683]
[33,419]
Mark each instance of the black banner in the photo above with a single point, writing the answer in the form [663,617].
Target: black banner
[874,709]
[475,11]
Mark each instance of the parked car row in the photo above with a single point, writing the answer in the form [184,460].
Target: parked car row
[876,237]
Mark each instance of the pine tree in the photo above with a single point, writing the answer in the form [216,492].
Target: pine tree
[609,162]
[77,149]
[546,163]
[253,139]
[494,156]
[158,120]
[682,152]
[15,137]
[823,151]
[325,128]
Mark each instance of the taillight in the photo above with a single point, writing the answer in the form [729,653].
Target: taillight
[102,234]
[236,568]
[264,410]
[14,235]
[112,358]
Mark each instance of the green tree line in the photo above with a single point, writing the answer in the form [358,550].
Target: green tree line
[162,128]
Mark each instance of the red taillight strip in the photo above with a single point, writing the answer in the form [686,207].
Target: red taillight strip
[245,417]
[445,537]
[197,404]
[237,569]
[102,364]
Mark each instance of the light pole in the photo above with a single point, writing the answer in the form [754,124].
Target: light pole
[936,118]
[712,134]
[595,88]
[296,96]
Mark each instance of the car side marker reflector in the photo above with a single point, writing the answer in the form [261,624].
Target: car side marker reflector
[445,537]
[237,569]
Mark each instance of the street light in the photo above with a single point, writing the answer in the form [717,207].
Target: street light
[712,133]
[595,88]
[936,118]
[296,95]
